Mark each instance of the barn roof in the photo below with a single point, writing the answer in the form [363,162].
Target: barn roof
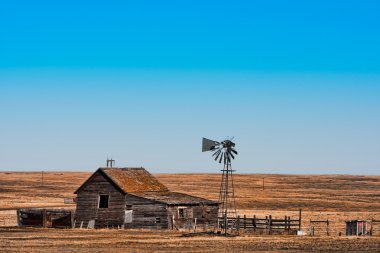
[134,179]
[129,180]
[174,198]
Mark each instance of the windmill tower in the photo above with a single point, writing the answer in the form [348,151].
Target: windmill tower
[224,151]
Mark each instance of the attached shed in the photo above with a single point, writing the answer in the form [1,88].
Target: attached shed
[356,227]
[133,198]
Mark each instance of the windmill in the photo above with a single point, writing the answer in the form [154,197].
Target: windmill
[224,152]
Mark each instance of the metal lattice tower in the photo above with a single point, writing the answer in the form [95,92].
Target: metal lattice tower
[224,151]
[227,209]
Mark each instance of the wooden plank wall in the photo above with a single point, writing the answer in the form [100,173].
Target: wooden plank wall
[87,204]
[145,213]
[206,216]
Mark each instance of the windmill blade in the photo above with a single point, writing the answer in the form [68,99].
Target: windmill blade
[220,160]
[233,151]
[217,152]
[229,152]
[216,158]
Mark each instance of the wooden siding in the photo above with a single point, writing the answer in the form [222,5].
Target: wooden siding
[145,213]
[88,201]
[206,216]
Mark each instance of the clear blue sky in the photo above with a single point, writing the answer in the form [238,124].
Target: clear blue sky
[297,83]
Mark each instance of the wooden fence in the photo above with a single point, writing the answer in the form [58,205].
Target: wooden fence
[268,224]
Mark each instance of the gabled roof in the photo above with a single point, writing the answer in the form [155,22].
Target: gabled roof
[174,198]
[129,180]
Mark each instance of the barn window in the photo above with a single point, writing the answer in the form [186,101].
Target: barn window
[103,201]
[158,220]
[182,212]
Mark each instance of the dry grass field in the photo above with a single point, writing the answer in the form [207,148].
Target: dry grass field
[334,197]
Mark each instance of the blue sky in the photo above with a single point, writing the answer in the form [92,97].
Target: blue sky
[296,83]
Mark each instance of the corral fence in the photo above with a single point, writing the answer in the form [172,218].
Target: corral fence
[267,225]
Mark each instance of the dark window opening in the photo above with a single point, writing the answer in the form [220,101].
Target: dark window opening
[158,220]
[103,201]
[128,207]
[182,212]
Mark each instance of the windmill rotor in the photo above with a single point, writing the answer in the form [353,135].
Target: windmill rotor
[225,149]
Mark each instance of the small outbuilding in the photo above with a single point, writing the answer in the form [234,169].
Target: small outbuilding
[46,218]
[356,227]
[133,198]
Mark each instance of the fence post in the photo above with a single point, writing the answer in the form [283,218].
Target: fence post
[328,230]
[286,223]
[311,229]
[238,224]
[270,223]
[300,219]
[245,221]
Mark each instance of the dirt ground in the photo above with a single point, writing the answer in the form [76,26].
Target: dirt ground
[334,197]
[56,240]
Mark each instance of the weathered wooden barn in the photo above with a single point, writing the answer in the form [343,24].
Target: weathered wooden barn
[133,198]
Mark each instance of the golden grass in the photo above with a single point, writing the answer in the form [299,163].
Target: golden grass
[334,197]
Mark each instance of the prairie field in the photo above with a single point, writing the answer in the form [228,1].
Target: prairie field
[333,197]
